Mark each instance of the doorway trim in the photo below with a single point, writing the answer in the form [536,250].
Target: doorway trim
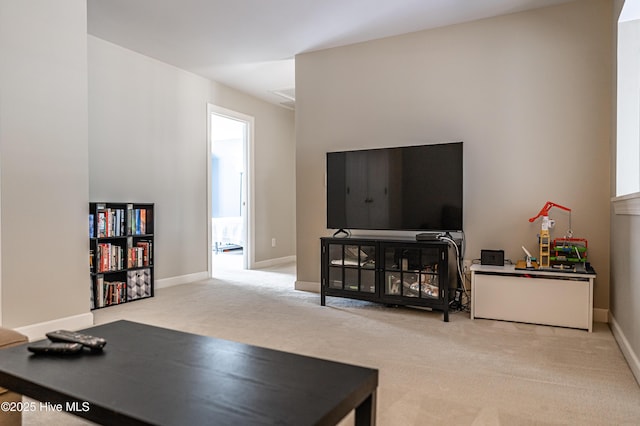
[248,216]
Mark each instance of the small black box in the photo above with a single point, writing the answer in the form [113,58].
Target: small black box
[492,257]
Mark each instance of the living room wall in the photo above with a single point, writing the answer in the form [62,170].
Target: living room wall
[528,93]
[148,143]
[44,166]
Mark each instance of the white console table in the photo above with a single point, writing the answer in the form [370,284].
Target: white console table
[562,299]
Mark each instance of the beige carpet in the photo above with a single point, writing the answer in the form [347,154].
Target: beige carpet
[431,373]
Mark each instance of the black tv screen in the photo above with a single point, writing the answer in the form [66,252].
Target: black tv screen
[404,188]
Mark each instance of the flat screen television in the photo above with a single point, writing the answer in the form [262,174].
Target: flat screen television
[411,188]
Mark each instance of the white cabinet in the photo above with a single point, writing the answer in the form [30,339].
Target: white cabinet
[562,299]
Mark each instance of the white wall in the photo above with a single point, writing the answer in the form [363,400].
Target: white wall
[148,143]
[528,93]
[44,161]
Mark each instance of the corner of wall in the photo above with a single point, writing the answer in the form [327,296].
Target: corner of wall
[625,347]
[307,286]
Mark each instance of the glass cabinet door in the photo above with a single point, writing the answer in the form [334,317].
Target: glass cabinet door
[352,267]
[335,266]
[429,274]
[368,280]
[411,272]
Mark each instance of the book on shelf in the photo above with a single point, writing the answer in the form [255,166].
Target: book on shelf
[146,247]
[140,254]
[140,222]
[143,221]
[110,221]
[99,299]
[92,302]
[135,257]
[102,224]
[115,292]
[138,219]
[109,257]
[108,292]
[130,219]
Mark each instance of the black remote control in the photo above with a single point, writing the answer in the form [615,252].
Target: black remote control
[56,348]
[94,343]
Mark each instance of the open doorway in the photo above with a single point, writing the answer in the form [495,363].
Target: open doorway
[229,188]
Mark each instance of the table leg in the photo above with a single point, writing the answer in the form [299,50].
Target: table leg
[366,411]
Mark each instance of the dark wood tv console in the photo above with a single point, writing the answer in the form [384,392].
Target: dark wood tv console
[393,271]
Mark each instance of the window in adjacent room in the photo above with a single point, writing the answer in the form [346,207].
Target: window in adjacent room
[628,108]
[628,140]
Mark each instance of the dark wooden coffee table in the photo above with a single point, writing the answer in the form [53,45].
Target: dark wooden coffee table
[153,375]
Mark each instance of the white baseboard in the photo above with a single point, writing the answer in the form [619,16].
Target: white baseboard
[625,347]
[308,286]
[274,262]
[600,315]
[182,279]
[39,330]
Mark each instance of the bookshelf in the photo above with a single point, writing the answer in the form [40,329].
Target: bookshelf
[120,252]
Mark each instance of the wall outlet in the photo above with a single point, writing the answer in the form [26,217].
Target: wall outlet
[466,265]
[273,242]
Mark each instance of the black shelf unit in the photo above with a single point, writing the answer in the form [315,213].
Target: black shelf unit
[392,271]
[121,244]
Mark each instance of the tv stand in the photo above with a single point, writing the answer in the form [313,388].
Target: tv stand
[392,271]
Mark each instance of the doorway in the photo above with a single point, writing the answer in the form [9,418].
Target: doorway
[229,189]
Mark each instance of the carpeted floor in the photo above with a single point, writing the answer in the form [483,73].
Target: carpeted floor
[431,373]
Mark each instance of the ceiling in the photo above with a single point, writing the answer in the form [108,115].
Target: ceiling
[250,45]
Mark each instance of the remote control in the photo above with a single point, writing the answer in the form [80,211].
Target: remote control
[56,348]
[94,343]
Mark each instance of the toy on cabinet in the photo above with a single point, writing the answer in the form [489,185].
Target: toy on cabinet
[561,253]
